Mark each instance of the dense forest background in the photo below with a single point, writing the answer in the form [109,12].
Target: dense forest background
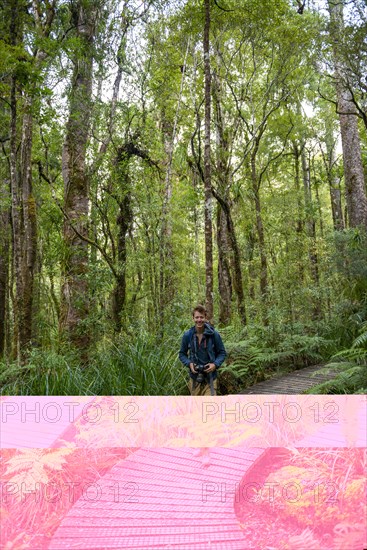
[157,154]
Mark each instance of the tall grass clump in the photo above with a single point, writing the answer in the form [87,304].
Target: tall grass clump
[122,367]
[140,367]
[45,373]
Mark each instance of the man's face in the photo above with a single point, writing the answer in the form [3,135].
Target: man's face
[199,319]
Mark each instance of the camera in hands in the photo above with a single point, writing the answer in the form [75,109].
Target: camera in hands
[201,370]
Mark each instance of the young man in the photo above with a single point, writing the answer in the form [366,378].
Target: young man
[202,346]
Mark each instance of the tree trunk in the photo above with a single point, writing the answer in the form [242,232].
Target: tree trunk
[196,214]
[153,275]
[299,223]
[251,239]
[124,220]
[166,283]
[16,204]
[223,244]
[23,215]
[237,271]
[353,167]
[311,229]
[297,156]
[29,232]
[207,170]
[4,264]
[261,239]
[333,180]
[74,292]
[224,276]
[119,293]
[336,201]
[310,220]
[260,233]
[318,202]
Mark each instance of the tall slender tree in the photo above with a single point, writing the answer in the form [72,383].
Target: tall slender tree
[209,288]
[223,244]
[353,167]
[5,231]
[23,92]
[74,296]
[310,223]
[169,133]
[330,161]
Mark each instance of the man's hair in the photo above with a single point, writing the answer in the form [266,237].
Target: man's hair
[201,309]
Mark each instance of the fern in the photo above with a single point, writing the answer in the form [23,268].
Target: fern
[31,466]
[254,359]
[233,333]
[351,363]
[361,340]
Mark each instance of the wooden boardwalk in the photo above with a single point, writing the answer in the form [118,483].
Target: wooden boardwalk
[174,502]
[160,498]
[292,383]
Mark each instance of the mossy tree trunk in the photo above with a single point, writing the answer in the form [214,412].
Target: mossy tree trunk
[5,231]
[74,292]
[255,187]
[310,227]
[353,167]
[208,199]
[331,166]
[222,176]
[24,210]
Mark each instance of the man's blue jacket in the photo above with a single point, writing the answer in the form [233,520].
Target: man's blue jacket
[215,348]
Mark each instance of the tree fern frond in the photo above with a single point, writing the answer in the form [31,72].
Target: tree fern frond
[330,387]
[24,460]
[35,465]
[335,366]
[360,341]
[355,354]
[349,380]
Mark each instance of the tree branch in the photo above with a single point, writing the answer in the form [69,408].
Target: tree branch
[272,159]
[220,7]
[82,237]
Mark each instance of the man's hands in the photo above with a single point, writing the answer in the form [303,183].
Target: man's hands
[192,368]
[209,367]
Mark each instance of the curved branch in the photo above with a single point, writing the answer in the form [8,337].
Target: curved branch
[220,7]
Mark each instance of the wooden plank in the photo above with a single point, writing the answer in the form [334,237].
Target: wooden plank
[171,512]
[291,383]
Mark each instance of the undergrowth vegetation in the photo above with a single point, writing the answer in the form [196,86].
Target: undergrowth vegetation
[254,359]
[143,366]
[125,367]
[351,367]
[144,361]
[323,506]
[31,511]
